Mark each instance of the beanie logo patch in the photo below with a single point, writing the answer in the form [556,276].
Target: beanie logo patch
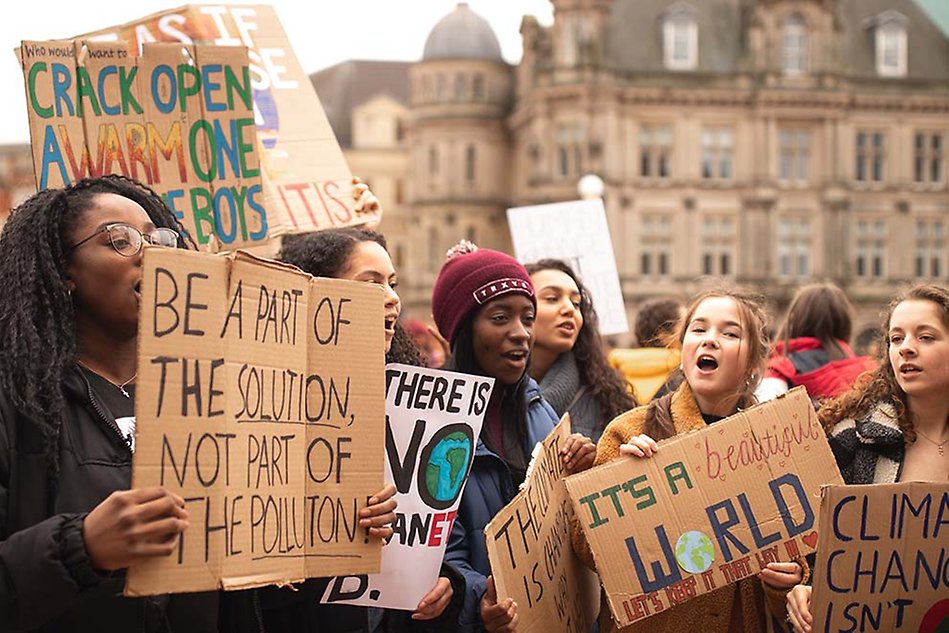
[498,287]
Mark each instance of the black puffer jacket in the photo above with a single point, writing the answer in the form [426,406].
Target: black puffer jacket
[46,581]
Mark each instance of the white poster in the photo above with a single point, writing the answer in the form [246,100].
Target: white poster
[433,420]
[577,233]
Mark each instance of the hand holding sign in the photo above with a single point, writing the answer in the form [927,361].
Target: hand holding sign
[497,617]
[639,446]
[133,524]
[799,609]
[435,601]
[578,453]
[782,575]
[380,513]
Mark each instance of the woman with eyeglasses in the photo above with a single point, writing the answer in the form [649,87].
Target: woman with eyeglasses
[71,266]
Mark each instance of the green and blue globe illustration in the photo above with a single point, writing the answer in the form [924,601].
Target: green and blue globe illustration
[695,552]
[447,467]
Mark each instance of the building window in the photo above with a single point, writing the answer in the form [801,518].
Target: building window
[470,157]
[717,149]
[891,45]
[477,87]
[794,155]
[441,88]
[794,247]
[871,249]
[656,245]
[794,45]
[932,254]
[680,37]
[927,157]
[432,160]
[569,152]
[871,156]
[461,88]
[718,245]
[655,151]
[436,256]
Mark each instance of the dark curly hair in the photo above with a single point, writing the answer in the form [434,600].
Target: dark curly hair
[605,384]
[655,319]
[326,254]
[881,385]
[37,316]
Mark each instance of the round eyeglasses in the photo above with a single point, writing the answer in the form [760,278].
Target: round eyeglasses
[128,240]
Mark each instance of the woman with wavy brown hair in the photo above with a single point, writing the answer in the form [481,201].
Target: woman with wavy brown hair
[893,425]
[568,360]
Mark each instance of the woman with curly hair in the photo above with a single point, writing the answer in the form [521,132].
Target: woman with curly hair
[359,254]
[71,264]
[567,360]
[893,425]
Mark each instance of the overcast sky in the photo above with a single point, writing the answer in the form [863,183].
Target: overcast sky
[322,32]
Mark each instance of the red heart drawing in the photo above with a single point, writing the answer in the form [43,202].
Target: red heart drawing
[807,448]
[722,478]
[697,445]
[698,469]
[810,539]
[781,463]
[745,434]
[760,466]
[721,431]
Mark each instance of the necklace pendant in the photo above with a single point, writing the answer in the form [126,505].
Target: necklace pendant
[126,394]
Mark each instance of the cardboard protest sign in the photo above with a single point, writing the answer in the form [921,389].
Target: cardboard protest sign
[710,508]
[307,184]
[433,420]
[529,547]
[177,118]
[576,232]
[883,559]
[260,402]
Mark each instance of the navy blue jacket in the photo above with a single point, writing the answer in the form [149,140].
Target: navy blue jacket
[490,487]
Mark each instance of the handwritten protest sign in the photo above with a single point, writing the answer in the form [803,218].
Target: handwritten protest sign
[710,508]
[307,184]
[260,402]
[577,233]
[529,547]
[883,559]
[178,118]
[433,419]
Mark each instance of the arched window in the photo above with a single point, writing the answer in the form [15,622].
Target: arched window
[794,44]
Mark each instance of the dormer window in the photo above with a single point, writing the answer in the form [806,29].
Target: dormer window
[890,43]
[680,37]
[794,45]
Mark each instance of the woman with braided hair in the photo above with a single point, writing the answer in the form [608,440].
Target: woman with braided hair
[71,265]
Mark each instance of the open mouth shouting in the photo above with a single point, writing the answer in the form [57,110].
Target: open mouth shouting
[706,363]
[390,320]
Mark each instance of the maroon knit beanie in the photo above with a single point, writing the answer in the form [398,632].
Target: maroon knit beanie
[470,279]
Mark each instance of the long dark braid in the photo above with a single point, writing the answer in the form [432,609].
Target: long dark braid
[37,318]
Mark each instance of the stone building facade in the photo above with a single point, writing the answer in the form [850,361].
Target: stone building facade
[767,142]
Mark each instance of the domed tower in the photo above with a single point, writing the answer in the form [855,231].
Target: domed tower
[461,92]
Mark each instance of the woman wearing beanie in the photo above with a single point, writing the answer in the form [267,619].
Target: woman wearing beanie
[483,304]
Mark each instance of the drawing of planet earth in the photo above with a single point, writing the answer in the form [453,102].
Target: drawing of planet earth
[694,552]
[447,467]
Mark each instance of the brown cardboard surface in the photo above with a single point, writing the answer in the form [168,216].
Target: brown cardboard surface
[307,184]
[883,558]
[177,118]
[261,401]
[529,548]
[738,494]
